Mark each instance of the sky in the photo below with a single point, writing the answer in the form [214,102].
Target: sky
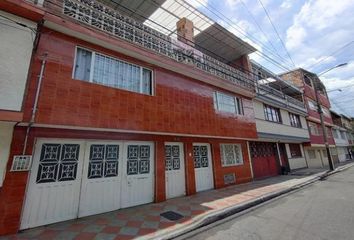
[317,35]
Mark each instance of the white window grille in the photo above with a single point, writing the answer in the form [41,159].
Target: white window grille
[231,154]
[101,69]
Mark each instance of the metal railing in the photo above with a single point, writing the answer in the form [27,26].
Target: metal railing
[110,21]
[265,90]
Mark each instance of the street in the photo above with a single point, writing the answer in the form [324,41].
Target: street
[324,210]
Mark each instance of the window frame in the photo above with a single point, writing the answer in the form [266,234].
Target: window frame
[291,149]
[314,108]
[295,120]
[272,109]
[238,103]
[310,84]
[90,80]
[222,154]
[314,133]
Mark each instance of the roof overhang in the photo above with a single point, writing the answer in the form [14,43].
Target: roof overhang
[220,42]
[140,10]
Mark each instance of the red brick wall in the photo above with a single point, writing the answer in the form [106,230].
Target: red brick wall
[180,105]
[13,191]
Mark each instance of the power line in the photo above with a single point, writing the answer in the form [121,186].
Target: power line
[276,31]
[259,27]
[229,22]
[332,54]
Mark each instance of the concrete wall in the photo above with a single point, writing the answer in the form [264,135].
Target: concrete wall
[342,152]
[276,128]
[298,162]
[16,50]
[321,159]
[6,130]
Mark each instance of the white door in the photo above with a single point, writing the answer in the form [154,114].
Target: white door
[54,187]
[138,173]
[101,180]
[174,165]
[203,167]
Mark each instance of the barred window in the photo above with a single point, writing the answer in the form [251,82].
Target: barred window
[231,154]
[295,150]
[98,68]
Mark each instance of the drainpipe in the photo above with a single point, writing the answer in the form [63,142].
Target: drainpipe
[34,109]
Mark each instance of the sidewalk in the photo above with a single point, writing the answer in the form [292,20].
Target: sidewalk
[145,222]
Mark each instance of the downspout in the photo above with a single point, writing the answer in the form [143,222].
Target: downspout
[34,50]
[34,109]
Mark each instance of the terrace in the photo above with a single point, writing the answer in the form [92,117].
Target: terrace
[105,18]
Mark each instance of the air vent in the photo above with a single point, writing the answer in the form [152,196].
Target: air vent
[229,178]
[21,163]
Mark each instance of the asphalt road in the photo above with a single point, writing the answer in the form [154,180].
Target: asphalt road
[324,210]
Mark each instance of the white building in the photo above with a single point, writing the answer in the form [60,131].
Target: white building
[17,36]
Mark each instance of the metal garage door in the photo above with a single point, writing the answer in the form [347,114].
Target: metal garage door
[264,159]
[72,178]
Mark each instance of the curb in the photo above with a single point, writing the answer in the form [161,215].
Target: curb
[227,212]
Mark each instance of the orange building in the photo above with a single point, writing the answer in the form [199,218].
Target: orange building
[118,114]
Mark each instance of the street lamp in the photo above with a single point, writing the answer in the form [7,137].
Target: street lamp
[319,110]
[337,66]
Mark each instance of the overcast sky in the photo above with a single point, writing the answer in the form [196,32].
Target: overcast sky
[311,30]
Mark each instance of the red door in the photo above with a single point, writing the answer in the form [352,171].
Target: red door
[264,159]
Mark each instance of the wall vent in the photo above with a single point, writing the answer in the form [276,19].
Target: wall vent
[229,178]
[21,163]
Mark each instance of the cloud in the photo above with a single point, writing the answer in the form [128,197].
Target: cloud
[286,4]
[198,3]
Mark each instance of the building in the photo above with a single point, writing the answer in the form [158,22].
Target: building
[118,114]
[18,37]
[281,125]
[342,131]
[315,150]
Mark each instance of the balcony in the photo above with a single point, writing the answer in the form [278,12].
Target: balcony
[108,20]
[276,95]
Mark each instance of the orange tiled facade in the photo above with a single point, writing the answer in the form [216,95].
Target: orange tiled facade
[181,109]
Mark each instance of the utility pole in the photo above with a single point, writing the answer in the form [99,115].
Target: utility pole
[320,112]
[325,139]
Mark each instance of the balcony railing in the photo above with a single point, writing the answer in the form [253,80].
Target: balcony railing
[110,21]
[265,90]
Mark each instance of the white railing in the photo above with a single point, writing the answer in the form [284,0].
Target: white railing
[109,20]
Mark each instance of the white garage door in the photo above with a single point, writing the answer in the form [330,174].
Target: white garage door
[71,179]
[174,165]
[101,180]
[203,167]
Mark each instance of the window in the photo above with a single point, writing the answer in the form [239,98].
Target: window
[231,154]
[295,120]
[295,150]
[98,68]
[328,132]
[335,133]
[314,129]
[227,103]
[307,80]
[326,112]
[342,135]
[312,105]
[272,114]
[312,154]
